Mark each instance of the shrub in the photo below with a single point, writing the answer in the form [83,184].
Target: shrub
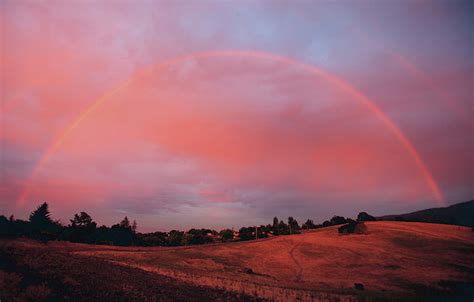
[353,228]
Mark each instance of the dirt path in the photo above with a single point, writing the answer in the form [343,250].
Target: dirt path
[299,273]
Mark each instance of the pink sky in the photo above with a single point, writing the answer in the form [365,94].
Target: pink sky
[226,141]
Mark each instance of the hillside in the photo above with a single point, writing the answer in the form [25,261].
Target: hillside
[457,214]
[394,261]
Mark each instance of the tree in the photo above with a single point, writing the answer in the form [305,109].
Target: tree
[326,223]
[363,216]
[198,236]
[262,231]
[309,224]
[134,226]
[125,223]
[82,228]
[41,216]
[153,239]
[122,233]
[226,235]
[102,235]
[5,227]
[83,220]
[42,226]
[247,233]
[281,229]
[335,220]
[175,238]
[293,225]
[275,221]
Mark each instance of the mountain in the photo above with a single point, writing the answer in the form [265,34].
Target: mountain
[457,214]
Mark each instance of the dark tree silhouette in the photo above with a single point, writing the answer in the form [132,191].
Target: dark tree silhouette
[327,223]
[264,230]
[293,225]
[226,235]
[247,233]
[175,238]
[5,227]
[309,224]
[134,226]
[41,215]
[102,235]
[82,220]
[199,236]
[363,216]
[125,223]
[154,239]
[275,221]
[335,220]
[82,229]
[42,226]
[122,233]
[281,229]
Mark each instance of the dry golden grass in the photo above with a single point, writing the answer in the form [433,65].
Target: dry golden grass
[395,259]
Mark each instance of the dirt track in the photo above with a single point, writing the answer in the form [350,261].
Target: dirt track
[299,273]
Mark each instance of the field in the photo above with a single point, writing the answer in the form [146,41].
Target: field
[395,261]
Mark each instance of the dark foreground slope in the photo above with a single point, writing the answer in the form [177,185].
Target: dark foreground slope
[458,214]
[31,271]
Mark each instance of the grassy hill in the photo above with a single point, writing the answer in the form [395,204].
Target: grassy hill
[395,261]
[458,214]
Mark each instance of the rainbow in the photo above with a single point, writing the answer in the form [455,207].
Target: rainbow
[338,82]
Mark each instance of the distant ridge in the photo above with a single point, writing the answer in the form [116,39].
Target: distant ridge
[458,214]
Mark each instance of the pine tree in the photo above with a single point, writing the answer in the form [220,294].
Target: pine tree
[42,227]
[41,216]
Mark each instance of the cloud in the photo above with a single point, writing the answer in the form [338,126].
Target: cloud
[232,140]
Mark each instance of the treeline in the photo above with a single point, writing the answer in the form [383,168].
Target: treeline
[83,229]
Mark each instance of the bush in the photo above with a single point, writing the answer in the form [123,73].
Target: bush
[353,228]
